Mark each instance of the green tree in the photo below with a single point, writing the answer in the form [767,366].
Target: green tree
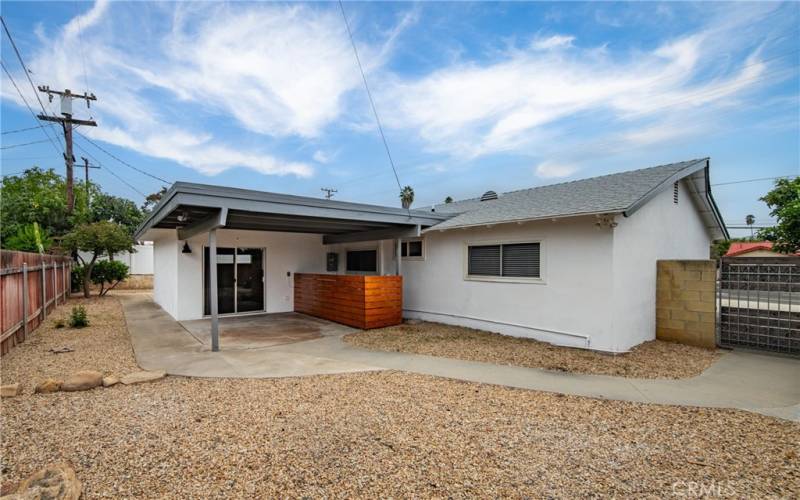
[29,238]
[449,199]
[97,238]
[39,196]
[106,207]
[407,196]
[784,202]
[152,199]
[109,272]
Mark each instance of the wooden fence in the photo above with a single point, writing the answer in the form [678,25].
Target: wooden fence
[31,286]
[361,301]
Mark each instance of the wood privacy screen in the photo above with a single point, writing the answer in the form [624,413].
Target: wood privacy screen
[31,285]
[360,301]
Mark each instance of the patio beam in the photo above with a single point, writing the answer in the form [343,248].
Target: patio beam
[377,234]
[213,221]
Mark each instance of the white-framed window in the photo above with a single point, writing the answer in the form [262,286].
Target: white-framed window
[517,261]
[412,249]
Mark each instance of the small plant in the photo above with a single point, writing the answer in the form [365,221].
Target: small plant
[60,323]
[108,274]
[78,318]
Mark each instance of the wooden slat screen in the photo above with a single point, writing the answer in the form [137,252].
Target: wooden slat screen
[359,301]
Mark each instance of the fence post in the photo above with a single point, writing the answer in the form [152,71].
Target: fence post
[25,299]
[44,290]
[55,286]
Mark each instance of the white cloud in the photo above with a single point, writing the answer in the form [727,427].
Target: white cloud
[321,157]
[276,70]
[553,42]
[551,170]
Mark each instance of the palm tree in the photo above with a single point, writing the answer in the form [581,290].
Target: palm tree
[750,220]
[407,196]
[449,199]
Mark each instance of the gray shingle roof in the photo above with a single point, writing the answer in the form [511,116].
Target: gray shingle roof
[606,194]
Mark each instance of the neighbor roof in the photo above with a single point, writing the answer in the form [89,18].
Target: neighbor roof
[743,247]
[623,193]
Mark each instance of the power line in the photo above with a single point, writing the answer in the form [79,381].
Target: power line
[110,171]
[24,144]
[80,41]
[25,101]
[123,161]
[369,95]
[27,74]
[22,130]
[753,180]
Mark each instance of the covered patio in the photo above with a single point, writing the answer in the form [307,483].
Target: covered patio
[259,241]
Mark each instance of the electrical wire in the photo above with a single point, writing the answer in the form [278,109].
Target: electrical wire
[21,130]
[753,180]
[25,101]
[369,95]
[80,42]
[112,155]
[24,144]
[28,76]
[110,171]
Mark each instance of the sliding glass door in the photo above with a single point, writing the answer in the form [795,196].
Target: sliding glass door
[240,280]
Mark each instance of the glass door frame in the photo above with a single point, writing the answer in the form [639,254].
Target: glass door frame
[235,281]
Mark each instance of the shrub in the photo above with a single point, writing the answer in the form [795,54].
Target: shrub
[108,272]
[76,278]
[78,318]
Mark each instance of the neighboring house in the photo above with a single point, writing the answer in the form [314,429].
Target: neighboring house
[572,263]
[753,249]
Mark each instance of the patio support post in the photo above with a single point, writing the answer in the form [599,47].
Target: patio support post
[212,288]
[399,255]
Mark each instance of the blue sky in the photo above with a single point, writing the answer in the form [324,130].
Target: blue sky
[473,96]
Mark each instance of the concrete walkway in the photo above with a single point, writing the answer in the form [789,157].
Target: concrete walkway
[765,384]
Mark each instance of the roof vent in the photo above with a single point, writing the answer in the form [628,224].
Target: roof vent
[489,195]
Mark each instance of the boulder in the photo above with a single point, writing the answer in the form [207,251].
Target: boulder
[47,386]
[10,390]
[110,380]
[140,377]
[82,381]
[57,481]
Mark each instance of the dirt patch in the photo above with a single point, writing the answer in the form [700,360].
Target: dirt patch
[384,434]
[654,359]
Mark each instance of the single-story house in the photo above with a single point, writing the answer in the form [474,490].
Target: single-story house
[572,263]
[753,249]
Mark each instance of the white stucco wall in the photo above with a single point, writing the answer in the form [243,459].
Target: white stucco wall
[573,305]
[285,252]
[165,269]
[660,229]
[139,262]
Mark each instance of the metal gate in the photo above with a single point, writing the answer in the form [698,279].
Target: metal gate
[759,303]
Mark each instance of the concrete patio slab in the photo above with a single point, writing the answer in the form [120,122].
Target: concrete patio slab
[743,380]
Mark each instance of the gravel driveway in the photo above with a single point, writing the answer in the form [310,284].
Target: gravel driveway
[369,434]
[654,359]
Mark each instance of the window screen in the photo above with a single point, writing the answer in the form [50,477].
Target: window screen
[484,260]
[411,249]
[362,260]
[520,260]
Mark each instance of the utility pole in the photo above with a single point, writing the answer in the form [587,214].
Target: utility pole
[328,192]
[86,168]
[67,122]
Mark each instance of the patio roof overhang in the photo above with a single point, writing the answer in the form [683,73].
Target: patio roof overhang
[193,209]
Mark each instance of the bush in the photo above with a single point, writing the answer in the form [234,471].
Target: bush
[76,278]
[108,272]
[78,318]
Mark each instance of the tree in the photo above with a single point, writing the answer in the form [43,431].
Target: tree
[106,207]
[110,272]
[29,238]
[784,202]
[97,238]
[750,220]
[407,196]
[449,199]
[39,196]
[152,199]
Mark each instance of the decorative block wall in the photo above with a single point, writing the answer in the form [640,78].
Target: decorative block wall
[686,302]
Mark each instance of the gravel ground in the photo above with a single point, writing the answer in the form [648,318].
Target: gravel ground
[384,434]
[654,359]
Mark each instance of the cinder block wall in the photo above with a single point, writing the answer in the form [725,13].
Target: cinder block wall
[686,301]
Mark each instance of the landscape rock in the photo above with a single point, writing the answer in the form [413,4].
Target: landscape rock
[10,390]
[56,481]
[110,380]
[47,386]
[145,376]
[82,381]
